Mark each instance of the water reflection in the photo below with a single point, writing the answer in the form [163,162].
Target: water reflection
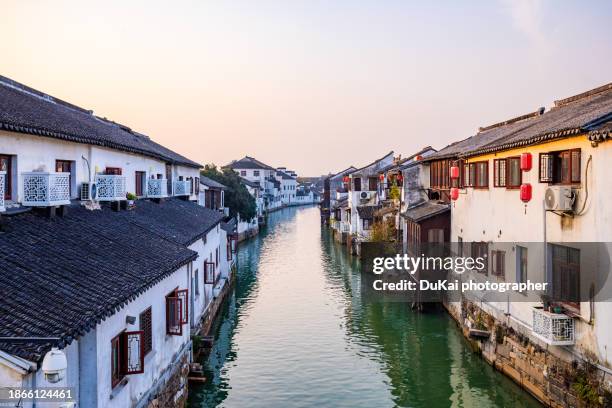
[295,332]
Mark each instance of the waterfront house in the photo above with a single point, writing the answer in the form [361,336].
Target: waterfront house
[363,196]
[288,185]
[534,200]
[246,228]
[335,188]
[256,171]
[212,195]
[137,280]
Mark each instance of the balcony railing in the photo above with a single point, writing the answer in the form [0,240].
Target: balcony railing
[182,188]
[556,329]
[2,187]
[157,188]
[110,187]
[45,189]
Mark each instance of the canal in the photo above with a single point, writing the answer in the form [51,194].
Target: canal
[295,333]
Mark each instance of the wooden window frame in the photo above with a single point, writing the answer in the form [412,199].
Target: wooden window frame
[552,167]
[174,325]
[357,184]
[498,265]
[496,173]
[145,320]
[113,171]
[509,184]
[477,172]
[209,273]
[574,304]
[522,270]
[120,349]
[481,249]
[372,182]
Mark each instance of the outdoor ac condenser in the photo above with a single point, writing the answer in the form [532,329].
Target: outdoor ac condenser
[559,198]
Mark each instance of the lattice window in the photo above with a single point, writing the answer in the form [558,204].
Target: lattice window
[146,326]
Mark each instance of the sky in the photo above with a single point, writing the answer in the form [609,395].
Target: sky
[311,85]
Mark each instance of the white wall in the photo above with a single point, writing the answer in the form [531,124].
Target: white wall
[36,152]
[498,215]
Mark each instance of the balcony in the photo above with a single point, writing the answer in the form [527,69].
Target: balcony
[2,184]
[182,188]
[45,189]
[110,187]
[345,226]
[556,329]
[157,188]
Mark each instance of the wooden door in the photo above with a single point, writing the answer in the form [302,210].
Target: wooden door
[6,165]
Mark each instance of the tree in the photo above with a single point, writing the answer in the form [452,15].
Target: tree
[237,197]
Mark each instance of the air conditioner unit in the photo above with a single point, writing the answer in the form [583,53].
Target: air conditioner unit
[88,191]
[365,195]
[559,198]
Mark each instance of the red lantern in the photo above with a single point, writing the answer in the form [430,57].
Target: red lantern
[525,192]
[381,177]
[525,161]
[418,157]
[454,172]
[454,193]
[400,177]
[346,179]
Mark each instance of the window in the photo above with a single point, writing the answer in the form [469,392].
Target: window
[216,257]
[65,166]
[562,167]
[127,355]
[566,275]
[435,235]
[197,185]
[209,273]
[514,172]
[481,250]
[499,173]
[479,174]
[467,177]
[372,184]
[256,173]
[357,183]
[196,282]
[113,170]
[521,264]
[498,266]
[459,246]
[367,223]
[228,249]
[191,185]
[140,182]
[6,165]
[243,173]
[146,327]
[176,312]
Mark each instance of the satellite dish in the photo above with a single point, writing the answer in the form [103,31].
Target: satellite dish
[549,198]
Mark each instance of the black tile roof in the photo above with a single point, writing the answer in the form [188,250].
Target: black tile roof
[183,222]
[284,175]
[248,162]
[569,117]
[250,183]
[425,210]
[59,277]
[26,110]
[211,183]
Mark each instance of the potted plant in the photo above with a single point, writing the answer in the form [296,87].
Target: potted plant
[131,197]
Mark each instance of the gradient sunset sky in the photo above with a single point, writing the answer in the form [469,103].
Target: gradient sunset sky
[311,85]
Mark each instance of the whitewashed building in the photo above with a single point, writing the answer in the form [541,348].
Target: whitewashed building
[118,292]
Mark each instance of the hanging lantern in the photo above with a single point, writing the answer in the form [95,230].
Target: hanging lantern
[454,172]
[525,192]
[418,157]
[400,178]
[346,179]
[454,193]
[381,177]
[525,161]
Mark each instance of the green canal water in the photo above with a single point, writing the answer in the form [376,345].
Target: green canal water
[295,332]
